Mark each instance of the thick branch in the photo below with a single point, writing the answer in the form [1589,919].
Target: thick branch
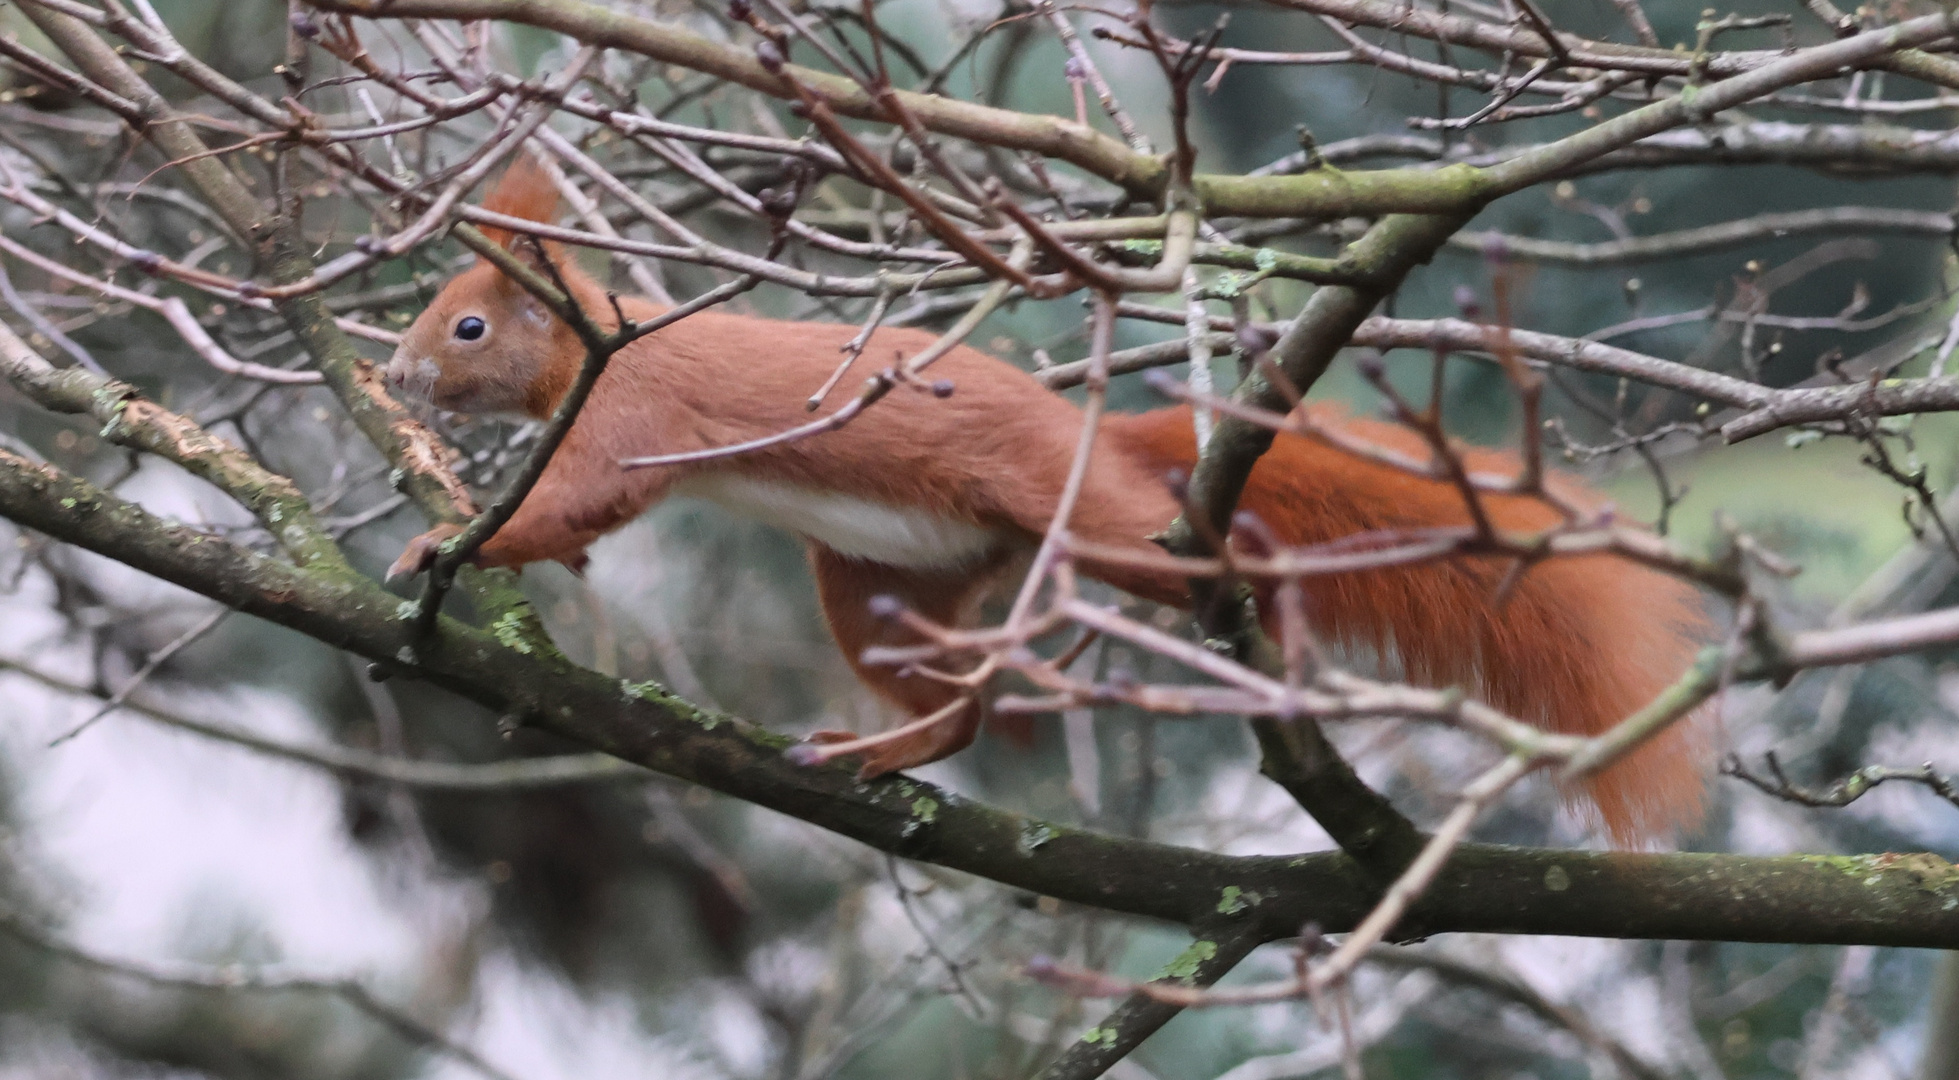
[1296,753]
[1902,900]
[1382,259]
[1888,397]
[1853,149]
[1857,149]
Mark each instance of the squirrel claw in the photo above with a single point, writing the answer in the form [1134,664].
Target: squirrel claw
[419,555]
[810,751]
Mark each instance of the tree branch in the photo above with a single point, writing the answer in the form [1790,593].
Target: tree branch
[1903,900]
[1209,958]
[1843,792]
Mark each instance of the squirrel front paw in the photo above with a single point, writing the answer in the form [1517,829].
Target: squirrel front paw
[419,555]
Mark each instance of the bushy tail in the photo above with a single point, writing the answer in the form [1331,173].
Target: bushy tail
[1579,643]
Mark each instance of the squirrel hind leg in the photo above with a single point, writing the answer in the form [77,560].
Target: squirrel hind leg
[861,601]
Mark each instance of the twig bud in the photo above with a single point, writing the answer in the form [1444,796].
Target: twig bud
[1467,303]
[1252,532]
[1255,341]
[304,26]
[1178,481]
[778,201]
[1312,940]
[884,606]
[942,389]
[769,55]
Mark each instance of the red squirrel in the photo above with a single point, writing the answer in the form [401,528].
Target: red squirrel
[926,500]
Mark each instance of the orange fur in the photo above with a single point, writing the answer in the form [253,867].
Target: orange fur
[1580,642]
[523,191]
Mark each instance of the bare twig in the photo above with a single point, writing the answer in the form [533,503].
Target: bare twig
[233,980]
[156,660]
[517,774]
[1844,791]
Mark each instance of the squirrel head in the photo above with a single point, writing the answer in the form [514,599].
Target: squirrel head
[484,344]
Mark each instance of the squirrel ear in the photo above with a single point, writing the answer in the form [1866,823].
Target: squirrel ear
[524,191]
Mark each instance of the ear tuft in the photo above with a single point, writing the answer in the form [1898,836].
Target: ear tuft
[524,191]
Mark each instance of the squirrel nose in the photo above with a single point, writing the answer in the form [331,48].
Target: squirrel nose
[410,375]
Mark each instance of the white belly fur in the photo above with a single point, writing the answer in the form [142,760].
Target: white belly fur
[892,535]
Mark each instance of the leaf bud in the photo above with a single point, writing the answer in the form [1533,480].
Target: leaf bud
[769,54]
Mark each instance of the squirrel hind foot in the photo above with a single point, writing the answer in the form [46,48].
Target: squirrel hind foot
[929,738]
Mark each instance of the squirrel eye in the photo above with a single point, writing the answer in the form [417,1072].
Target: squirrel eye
[470,328]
